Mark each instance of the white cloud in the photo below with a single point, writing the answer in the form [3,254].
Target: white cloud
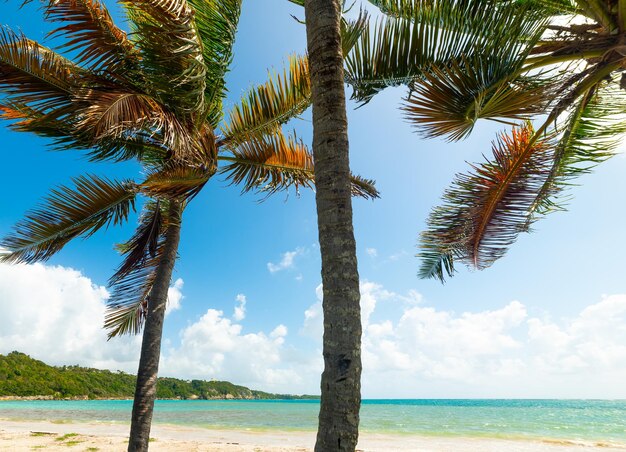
[371,252]
[502,352]
[397,256]
[428,352]
[174,296]
[240,311]
[286,262]
[59,319]
[217,347]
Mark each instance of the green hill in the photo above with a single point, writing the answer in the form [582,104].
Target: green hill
[23,376]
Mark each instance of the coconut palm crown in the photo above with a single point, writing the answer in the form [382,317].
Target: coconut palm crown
[557,63]
[156,96]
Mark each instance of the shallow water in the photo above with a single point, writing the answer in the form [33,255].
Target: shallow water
[578,420]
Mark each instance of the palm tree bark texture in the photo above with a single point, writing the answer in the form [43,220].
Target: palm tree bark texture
[341,379]
[145,390]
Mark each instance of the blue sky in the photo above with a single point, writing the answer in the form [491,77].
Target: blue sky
[548,320]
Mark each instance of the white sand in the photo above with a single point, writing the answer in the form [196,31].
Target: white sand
[29,435]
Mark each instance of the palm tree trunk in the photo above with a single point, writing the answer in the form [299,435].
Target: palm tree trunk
[145,391]
[341,380]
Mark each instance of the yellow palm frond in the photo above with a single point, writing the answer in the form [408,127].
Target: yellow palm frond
[266,107]
[176,182]
[275,163]
[484,211]
[35,75]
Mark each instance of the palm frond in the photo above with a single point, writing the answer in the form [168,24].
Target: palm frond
[437,257]
[132,282]
[171,52]
[217,26]
[34,75]
[591,134]
[114,113]
[411,9]
[68,213]
[396,51]
[363,188]
[275,163]
[139,145]
[127,307]
[27,119]
[447,101]
[484,211]
[91,33]
[351,31]
[128,116]
[270,164]
[176,182]
[145,241]
[266,107]
[67,135]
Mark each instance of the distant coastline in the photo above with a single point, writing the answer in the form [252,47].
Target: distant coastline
[24,378]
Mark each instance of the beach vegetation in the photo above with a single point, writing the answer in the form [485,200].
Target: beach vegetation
[39,380]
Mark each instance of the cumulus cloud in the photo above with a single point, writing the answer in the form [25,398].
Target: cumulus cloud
[240,310]
[59,319]
[174,296]
[502,352]
[217,347]
[371,252]
[429,352]
[286,262]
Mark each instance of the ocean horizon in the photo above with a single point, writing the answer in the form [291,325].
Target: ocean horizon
[597,421]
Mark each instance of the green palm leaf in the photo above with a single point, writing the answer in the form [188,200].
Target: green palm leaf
[217,26]
[396,51]
[591,134]
[449,100]
[411,9]
[351,31]
[68,213]
[484,211]
[171,53]
[266,107]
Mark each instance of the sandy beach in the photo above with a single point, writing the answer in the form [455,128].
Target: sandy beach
[29,435]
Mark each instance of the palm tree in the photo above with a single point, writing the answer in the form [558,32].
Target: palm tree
[557,62]
[341,379]
[157,98]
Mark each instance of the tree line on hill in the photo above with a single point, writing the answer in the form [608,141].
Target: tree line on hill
[23,376]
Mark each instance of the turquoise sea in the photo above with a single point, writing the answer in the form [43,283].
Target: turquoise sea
[580,420]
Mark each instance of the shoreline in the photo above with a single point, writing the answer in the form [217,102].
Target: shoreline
[86,398]
[104,436]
